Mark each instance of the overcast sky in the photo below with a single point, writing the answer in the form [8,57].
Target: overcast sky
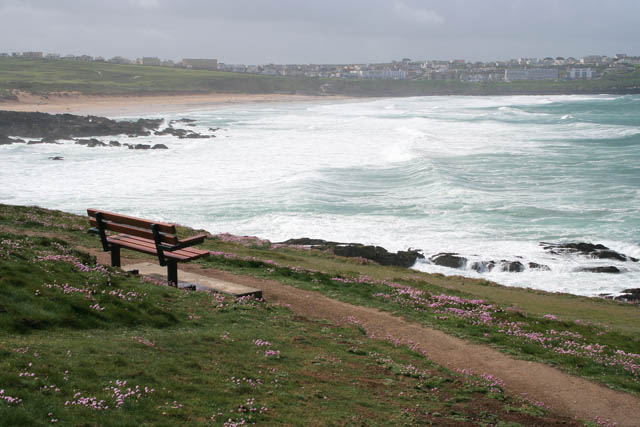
[322,31]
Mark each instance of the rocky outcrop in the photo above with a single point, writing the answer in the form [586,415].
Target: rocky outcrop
[591,250]
[512,266]
[606,269]
[159,147]
[451,260]
[378,254]
[68,126]
[5,140]
[629,295]
[374,253]
[90,142]
[536,266]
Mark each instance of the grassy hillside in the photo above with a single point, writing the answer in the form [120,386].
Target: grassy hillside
[43,77]
[81,344]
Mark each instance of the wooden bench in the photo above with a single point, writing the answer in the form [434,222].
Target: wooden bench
[149,237]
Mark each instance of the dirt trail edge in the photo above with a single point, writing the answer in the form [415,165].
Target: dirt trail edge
[564,393]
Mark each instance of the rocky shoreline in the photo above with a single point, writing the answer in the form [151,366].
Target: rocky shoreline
[42,128]
[408,258]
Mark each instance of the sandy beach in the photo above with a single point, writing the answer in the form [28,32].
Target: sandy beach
[147,104]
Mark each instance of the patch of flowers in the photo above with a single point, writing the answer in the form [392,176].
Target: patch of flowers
[75,262]
[244,380]
[121,394]
[87,402]
[9,399]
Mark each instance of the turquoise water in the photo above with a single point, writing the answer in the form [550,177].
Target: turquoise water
[486,177]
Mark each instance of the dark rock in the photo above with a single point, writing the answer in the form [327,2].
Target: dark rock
[588,249]
[536,266]
[114,144]
[450,260]
[171,131]
[90,143]
[629,295]
[49,140]
[68,126]
[214,129]
[56,158]
[141,146]
[5,140]
[194,135]
[374,253]
[306,241]
[483,266]
[159,147]
[379,254]
[608,269]
[512,266]
[184,120]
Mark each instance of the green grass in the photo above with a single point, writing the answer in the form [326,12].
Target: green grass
[73,332]
[43,77]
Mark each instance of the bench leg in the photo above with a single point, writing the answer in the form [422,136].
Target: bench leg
[115,256]
[172,273]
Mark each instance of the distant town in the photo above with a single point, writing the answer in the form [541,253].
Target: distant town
[558,68]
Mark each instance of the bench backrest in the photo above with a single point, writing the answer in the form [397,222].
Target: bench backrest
[133,226]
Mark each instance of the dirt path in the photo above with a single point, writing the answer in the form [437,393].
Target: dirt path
[565,394]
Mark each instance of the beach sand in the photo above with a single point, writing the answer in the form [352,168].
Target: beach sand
[146,104]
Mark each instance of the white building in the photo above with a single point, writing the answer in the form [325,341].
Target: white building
[581,73]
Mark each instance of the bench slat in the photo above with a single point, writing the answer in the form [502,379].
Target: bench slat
[134,231]
[149,247]
[191,251]
[133,221]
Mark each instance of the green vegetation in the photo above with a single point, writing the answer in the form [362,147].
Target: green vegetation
[44,77]
[82,344]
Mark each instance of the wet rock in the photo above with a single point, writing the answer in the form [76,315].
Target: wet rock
[379,254]
[608,269]
[184,120]
[483,266]
[171,131]
[306,241]
[5,140]
[591,250]
[374,253]
[159,147]
[141,146]
[49,140]
[451,260]
[629,295]
[194,135]
[68,126]
[90,142]
[114,144]
[214,129]
[56,158]
[536,266]
[512,266]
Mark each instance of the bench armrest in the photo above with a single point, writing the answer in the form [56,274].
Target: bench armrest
[190,241]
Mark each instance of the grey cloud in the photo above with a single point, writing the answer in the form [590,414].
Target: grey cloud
[289,31]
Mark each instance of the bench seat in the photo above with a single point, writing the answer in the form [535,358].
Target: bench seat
[149,247]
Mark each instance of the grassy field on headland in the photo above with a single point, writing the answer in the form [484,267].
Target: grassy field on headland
[85,344]
[44,77]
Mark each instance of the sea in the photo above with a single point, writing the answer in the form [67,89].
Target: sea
[488,178]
